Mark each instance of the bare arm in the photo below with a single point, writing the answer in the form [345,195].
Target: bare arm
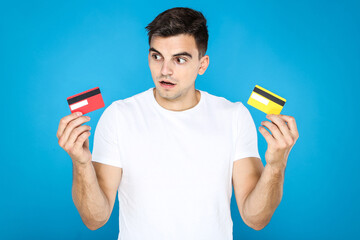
[89,199]
[259,190]
[94,184]
[94,196]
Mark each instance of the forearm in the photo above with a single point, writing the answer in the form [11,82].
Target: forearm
[88,197]
[262,202]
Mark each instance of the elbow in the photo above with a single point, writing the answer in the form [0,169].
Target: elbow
[257,225]
[257,221]
[94,226]
[95,223]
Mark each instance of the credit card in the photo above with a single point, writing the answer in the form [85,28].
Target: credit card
[87,101]
[266,101]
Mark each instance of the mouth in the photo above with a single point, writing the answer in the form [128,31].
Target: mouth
[166,84]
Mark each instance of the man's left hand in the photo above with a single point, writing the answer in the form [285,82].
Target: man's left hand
[283,136]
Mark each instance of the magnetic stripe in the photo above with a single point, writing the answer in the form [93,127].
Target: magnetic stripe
[269,96]
[83,96]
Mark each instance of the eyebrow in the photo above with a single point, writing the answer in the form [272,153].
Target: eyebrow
[175,55]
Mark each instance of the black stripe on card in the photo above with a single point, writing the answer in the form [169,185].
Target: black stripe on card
[83,96]
[269,96]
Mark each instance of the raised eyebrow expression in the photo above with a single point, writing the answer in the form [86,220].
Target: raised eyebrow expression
[175,55]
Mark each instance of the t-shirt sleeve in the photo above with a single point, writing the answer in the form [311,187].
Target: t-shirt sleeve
[246,144]
[106,148]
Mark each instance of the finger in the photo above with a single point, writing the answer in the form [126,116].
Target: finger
[64,121]
[281,124]
[274,130]
[70,126]
[268,137]
[76,132]
[80,140]
[86,144]
[291,123]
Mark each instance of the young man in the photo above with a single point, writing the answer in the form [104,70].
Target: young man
[173,152]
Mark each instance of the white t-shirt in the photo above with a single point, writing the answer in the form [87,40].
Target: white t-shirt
[177,165]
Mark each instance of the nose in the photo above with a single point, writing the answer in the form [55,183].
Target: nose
[166,68]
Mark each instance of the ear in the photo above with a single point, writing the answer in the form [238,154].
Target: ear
[204,63]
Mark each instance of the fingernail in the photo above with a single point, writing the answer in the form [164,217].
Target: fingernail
[88,117]
[79,113]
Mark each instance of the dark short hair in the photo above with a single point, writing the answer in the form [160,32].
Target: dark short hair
[181,20]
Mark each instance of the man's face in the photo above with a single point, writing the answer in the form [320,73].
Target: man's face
[175,59]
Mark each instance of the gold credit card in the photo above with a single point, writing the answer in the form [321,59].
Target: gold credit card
[266,101]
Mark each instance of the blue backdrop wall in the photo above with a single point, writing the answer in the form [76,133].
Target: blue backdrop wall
[305,51]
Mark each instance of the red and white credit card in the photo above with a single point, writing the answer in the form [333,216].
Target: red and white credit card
[87,101]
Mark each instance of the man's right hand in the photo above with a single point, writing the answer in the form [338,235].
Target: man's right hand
[74,137]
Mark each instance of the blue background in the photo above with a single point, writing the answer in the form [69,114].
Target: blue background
[305,51]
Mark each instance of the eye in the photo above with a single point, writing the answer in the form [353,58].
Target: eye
[181,60]
[156,56]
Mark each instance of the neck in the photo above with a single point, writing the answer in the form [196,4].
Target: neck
[180,103]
